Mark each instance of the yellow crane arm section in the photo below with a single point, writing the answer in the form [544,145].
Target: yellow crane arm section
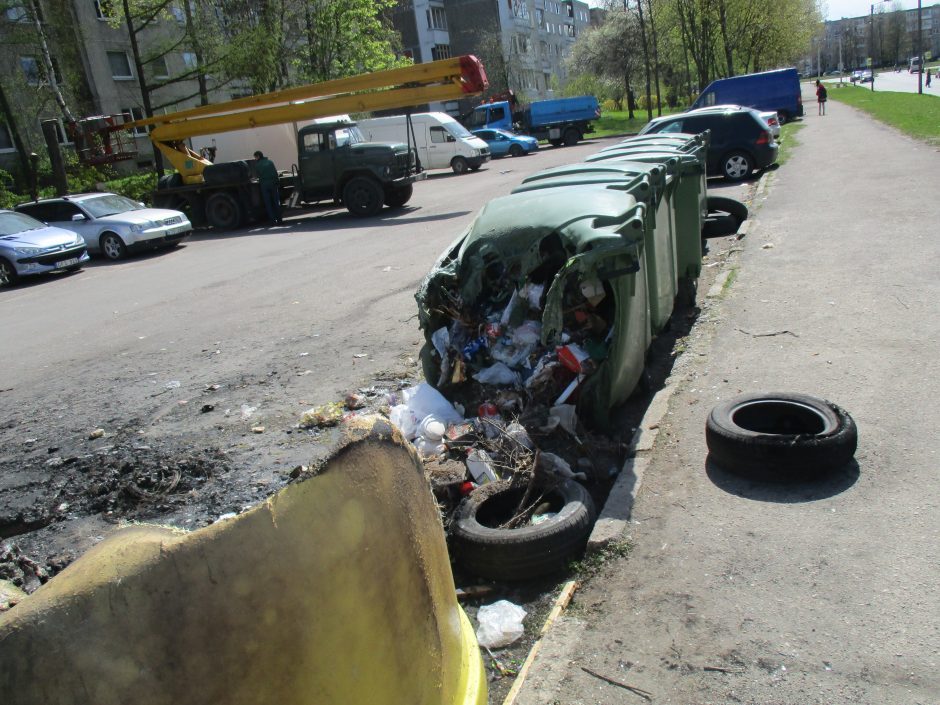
[447,79]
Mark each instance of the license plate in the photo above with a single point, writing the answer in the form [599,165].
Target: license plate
[66,262]
[177,230]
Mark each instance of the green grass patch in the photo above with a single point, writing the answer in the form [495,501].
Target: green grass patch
[591,564]
[729,282]
[788,141]
[612,122]
[913,114]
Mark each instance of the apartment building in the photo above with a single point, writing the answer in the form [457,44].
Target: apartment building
[95,69]
[522,43]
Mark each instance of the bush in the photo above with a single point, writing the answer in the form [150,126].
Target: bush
[137,187]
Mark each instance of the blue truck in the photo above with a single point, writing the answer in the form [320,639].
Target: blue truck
[560,121]
[770,90]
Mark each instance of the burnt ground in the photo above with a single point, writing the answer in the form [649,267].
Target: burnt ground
[191,455]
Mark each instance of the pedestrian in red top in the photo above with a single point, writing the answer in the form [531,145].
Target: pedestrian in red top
[821,97]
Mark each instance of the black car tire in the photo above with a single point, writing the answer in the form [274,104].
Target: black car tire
[572,136]
[475,168]
[737,166]
[223,212]
[516,151]
[780,437]
[527,552]
[363,196]
[8,275]
[112,246]
[397,197]
[783,116]
[719,226]
[556,143]
[460,165]
[719,205]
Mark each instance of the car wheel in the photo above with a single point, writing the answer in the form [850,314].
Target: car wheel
[112,246]
[223,212]
[459,165]
[780,437]
[8,275]
[475,168]
[516,151]
[530,551]
[363,196]
[783,116]
[736,166]
[397,197]
[571,137]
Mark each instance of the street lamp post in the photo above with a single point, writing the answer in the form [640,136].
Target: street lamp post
[920,50]
[871,38]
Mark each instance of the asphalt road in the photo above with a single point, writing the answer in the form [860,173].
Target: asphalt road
[897,82]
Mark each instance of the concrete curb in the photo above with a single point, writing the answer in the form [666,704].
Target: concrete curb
[613,518]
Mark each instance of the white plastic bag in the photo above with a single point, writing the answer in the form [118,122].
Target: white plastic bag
[405,419]
[425,400]
[498,374]
[500,624]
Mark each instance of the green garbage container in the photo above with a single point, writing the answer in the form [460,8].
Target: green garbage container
[683,140]
[651,184]
[561,242]
[690,198]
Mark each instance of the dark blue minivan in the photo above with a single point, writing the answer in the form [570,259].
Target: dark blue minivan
[770,90]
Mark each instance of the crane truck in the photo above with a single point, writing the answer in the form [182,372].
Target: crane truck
[334,161]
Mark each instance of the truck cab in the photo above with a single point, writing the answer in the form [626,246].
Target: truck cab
[336,163]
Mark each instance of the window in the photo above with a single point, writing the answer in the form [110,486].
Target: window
[540,18]
[439,135]
[16,13]
[440,51]
[189,59]
[131,114]
[159,67]
[520,9]
[120,65]
[60,134]
[6,141]
[30,66]
[314,142]
[104,9]
[437,18]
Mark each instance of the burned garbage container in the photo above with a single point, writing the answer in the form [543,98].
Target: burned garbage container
[543,298]
[690,197]
[650,184]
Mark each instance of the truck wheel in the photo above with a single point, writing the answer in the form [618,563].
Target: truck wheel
[223,212]
[363,196]
[571,137]
[397,197]
[459,165]
[556,143]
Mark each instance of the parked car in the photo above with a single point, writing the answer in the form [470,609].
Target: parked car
[777,90]
[740,141]
[866,77]
[112,225]
[30,247]
[768,116]
[503,142]
[855,76]
[914,65]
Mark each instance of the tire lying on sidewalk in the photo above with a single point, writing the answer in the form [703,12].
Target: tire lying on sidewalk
[532,551]
[725,216]
[780,437]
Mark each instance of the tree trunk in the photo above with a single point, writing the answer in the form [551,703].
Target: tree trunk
[659,102]
[193,36]
[646,59]
[141,81]
[47,62]
[10,120]
[725,40]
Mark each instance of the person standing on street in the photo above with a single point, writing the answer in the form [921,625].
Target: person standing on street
[268,180]
[821,97]
[928,78]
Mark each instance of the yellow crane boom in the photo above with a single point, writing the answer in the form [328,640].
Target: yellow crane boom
[447,79]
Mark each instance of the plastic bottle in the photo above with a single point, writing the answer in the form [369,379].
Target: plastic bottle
[480,467]
[431,428]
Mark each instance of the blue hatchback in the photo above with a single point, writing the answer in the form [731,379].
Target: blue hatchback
[502,142]
[30,247]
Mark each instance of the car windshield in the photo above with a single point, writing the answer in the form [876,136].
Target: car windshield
[110,204]
[457,130]
[348,135]
[12,223]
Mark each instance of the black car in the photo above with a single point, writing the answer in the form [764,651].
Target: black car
[740,141]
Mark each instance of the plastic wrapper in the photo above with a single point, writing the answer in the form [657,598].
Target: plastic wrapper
[500,624]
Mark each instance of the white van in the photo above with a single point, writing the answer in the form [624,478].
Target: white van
[442,142]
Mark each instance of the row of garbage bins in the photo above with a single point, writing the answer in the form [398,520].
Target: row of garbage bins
[538,318]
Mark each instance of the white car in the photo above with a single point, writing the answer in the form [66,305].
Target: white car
[768,116]
[112,225]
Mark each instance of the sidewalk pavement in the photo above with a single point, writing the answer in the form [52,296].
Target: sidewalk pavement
[736,592]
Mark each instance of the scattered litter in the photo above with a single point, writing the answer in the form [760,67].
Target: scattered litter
[767,246]
[247,411]
[354,401]
[556,465]
[257,429]
[480,466]
[212,387]
[360,355]
[97,433]
[172,385]
[323,415]
[500,624]
[304,354]
[227,515]
[206,408]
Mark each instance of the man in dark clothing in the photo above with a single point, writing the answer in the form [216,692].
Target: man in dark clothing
[268,180]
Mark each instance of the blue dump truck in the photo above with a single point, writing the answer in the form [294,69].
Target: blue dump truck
[560,121]
[770,90]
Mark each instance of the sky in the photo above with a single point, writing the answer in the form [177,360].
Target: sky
[837,9]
